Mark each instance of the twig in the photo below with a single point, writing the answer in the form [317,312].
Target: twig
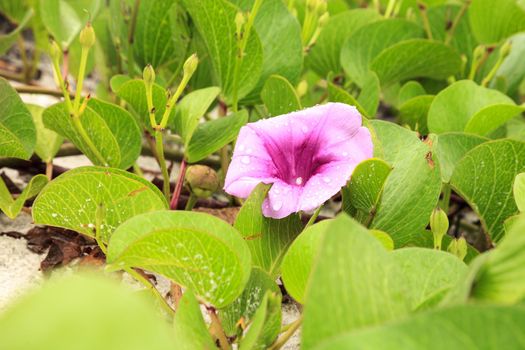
[217,328]
[461,13]
[293,327]
[178,188]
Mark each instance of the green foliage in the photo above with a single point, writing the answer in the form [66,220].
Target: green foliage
[72,200]
[189,329]
[47,141]
[17,131]
[485,176]
[12,207]
[279,96]
[195,250]
[7,40]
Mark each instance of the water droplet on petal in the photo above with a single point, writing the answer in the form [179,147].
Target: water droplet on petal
[299,181]
[326,179]
[241,147]
[345,154]
[277,191]
[277,205]
[245,160]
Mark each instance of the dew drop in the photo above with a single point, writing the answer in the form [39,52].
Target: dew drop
[54,215]
[277,205]
[345,154]
[326,179]
[299,181]
[277,191]
[241,148]
[245,160]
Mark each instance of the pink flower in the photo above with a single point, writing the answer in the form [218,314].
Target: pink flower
[307,155]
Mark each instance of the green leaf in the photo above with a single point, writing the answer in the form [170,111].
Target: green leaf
[48,142]
[215,21]
[512,70]
[460,327]
[213,135]
[325,54]
[279,96]
[161,34]
[413,187]
[414,112]
[337,94]
[7,40]
[501,277]
[115,317]
[466,106]
[111,128]
[13,10]
[280,36]
[134,93]
[410,90]
[298,261]
[190,110]
[451,147]
[266,324]
[370,94]
[519,191]
[484,178]
[17,131]
[416,58]
[65,18]
[12,207]
[357,284]
[364,189]
[189,329]
[196,250]
[360,50]
[245,306]
[490,23]
[267,238]
[71,200]
[429,272]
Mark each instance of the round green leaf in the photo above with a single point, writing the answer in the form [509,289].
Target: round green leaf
[416,58]
[492,22]
[72,200]
[466,106]
[196,250]
[484,178]
[17,131]
[279,96]
[360,50]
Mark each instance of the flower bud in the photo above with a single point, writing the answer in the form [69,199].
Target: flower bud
[479,51]
[202,180]
[323,19]
[439,226]
[190,66]
[87,36]
[148,74]
[55,51]
[505,49]
[302,88]
[458,247]
[239,23]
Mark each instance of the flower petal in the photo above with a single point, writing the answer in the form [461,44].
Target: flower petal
[282,200]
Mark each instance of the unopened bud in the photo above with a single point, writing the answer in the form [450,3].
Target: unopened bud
[323,19]
[439,226]
[87,36]
[311,4]
[190,66]
[479,51]
[202,180]
[302,88]
[239,23]
[148,74]
[458,247]
[55,51]
[505,49]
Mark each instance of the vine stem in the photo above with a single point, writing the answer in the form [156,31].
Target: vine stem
[217,327]
[146,283]
[192,200]
[426,23]
[291,329]
[461,13]
[80,80]
[49,170]
[242,47]
[178,187]
[313,217]
[159,146]
[131,36]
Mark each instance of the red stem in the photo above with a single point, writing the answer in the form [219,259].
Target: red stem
[178,187]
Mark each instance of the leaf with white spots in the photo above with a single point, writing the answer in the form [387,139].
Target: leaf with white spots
[71,200]
[245,306]
[196,250]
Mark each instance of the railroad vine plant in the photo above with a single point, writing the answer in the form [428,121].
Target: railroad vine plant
[360,161]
